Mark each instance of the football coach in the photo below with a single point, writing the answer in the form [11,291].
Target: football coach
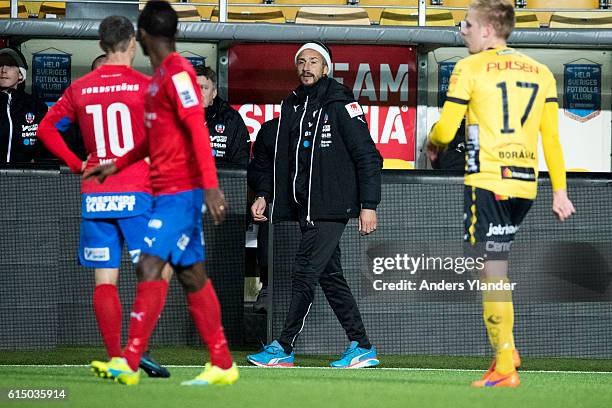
[325,170]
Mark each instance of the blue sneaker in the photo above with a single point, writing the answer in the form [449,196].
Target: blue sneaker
[272,355]
[357,357]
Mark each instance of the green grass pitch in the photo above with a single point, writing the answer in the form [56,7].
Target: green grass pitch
[446,386]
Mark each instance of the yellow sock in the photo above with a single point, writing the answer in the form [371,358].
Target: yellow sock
[498,313]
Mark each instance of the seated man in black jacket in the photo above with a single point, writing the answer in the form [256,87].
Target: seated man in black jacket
[20,113]
[325,170]
[229,137]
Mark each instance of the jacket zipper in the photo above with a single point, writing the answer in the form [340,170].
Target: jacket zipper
[314,143]
[297,149]
[10,139]
[280,116]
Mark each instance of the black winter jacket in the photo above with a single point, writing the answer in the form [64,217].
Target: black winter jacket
[229,137]
[345,173]
[20,115]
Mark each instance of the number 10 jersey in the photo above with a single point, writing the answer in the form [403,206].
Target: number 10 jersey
[108,107]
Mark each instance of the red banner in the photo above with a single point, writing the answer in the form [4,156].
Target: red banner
[383,80]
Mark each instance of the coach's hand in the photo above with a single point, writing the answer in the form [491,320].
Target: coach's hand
[101,172]
[562,206]
[367,221]
[431,151]
[258,209]
[215,203]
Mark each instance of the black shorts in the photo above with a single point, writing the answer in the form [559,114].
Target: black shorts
[491,222]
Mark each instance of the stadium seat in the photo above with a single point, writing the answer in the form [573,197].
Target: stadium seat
[186,12]
[206,11]
[52,9]
[291,12]
[5,10]
[332,15]
[553,5]
[253,14]
[33,7]
[458,15]
[375,12]
[407,17]
[526,19]
[578,19]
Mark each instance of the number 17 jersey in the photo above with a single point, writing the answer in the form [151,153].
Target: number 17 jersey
[108,107]
[505,92]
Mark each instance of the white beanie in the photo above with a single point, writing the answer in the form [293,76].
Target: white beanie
[321,49]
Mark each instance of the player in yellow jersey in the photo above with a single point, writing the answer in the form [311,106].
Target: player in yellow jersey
[509,99]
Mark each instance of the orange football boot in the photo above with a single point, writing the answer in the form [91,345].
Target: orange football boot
[515,358]
[496,379]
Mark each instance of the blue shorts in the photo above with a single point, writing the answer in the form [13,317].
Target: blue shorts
[174,231]
[102,240]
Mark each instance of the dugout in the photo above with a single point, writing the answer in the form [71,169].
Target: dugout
[420,212]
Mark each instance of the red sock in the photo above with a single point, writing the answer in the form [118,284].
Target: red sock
[148,305]
[108,314]
[206,314]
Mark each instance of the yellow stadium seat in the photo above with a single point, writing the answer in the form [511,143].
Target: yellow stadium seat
[206,12]
[375,12]
[332,15]
[553,5]
[407,17]
[5,10]
[252,14]
[526,19]
[561,4]
[291,12]
[52,9]
[458,15]
[578,19]
[33,7]
[186,12]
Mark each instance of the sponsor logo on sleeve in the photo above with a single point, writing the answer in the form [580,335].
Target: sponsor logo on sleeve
[96,254]
[354,109]
[184,88]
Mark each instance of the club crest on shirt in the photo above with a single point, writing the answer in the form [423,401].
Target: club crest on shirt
[29,117]
[220,128]
[153,89]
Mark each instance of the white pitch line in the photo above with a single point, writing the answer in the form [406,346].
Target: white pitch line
[324,368]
